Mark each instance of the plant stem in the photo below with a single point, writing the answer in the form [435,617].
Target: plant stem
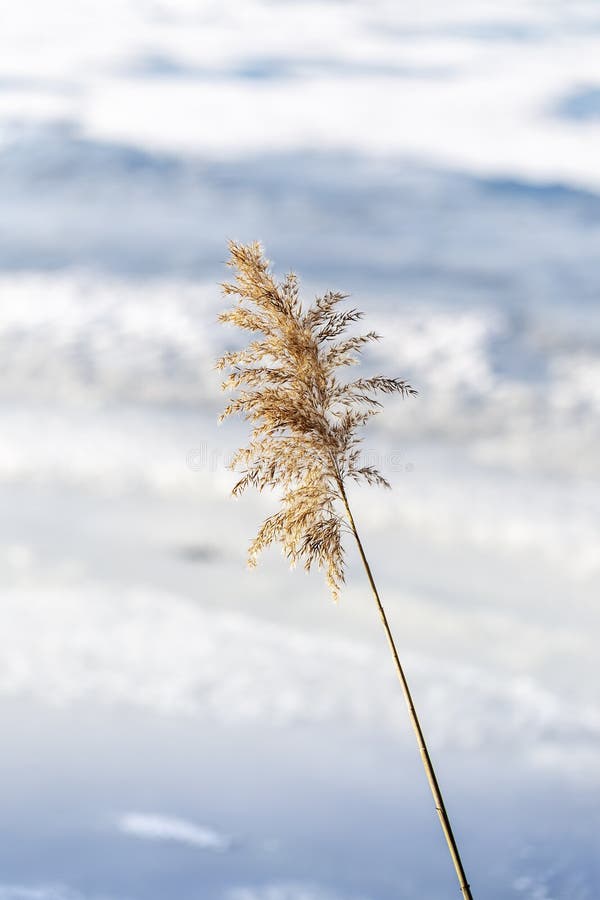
[428,765]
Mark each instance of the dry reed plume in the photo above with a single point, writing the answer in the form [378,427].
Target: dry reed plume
[305,433]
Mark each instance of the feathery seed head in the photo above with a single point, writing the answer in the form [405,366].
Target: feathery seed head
[304,418]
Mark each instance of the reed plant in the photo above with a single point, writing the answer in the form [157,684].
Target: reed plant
[305,436]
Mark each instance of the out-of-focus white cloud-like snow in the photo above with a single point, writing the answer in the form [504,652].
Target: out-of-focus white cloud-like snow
[192,77]
[42,892]
[167,655]
[167,828]
[285,892]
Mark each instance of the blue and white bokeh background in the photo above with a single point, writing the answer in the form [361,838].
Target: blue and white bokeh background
[174,726]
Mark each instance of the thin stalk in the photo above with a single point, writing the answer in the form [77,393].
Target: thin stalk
[428,765]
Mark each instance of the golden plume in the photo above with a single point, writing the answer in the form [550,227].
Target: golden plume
[305,418]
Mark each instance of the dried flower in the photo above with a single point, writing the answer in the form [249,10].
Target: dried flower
[305,419]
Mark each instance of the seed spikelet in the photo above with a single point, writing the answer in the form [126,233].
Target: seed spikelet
[305,419]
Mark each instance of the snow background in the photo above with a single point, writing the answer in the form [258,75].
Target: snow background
[173,725]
